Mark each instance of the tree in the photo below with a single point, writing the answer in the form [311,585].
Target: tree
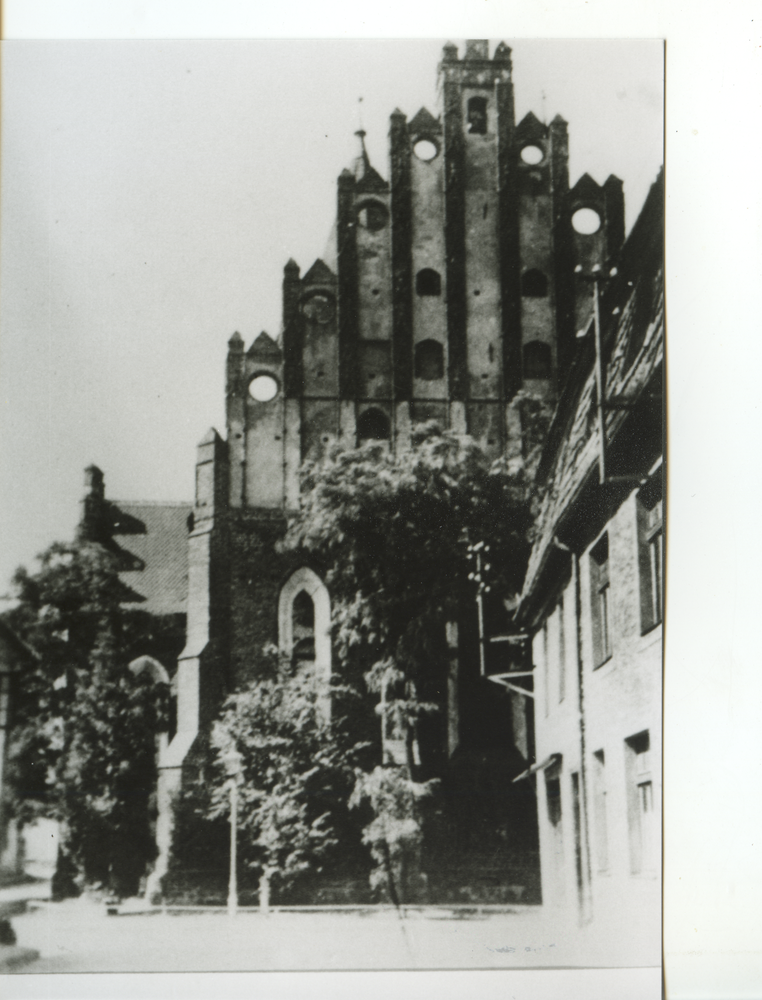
[392,532]
[83,746]
[297,768]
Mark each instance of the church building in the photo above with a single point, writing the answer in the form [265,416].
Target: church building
[458,287]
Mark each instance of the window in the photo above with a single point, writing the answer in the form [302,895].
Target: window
[537,359]
[263,388]
[545,669]
[643,826]
[428,282]
[600,601]
[319,308]
[426,149]
[599,811]
[553,792]
[534,284]
[477,116]
[577,815]
[429,360]
[555,872]
[372,215]
[650,555]
[373,425]
[303,628]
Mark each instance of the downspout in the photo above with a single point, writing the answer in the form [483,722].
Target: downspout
[586,913]
[587,909]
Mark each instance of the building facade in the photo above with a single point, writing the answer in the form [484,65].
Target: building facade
[592,604]
[456,288]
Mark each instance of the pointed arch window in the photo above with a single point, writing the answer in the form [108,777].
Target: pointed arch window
[304,627]
[534,284]
[428,282]
[429,360]
[373,425]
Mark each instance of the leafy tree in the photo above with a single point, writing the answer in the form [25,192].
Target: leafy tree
[395,833]
[83,746]
[297,769]
[392,532]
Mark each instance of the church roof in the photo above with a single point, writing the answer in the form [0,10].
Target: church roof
[152,541]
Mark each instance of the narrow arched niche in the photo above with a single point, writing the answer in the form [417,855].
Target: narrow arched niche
[429,360]
[428,282]
[373,425]
[537,360]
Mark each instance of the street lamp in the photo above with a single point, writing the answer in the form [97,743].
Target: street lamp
[232,761]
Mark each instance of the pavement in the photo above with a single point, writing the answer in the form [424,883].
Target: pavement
[14,900]
[79,936]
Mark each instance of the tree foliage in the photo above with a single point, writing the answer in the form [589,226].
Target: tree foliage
[297,769]
[83,745]
[392,533]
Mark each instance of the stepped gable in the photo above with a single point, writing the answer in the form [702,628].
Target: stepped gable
[264,348]
[371,182]
[424,121]
[319,274]
[586,187]
[531,129]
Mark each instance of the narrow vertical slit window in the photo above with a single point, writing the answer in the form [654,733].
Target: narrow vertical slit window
[650,555]
[642,819]
[600,812]
[546,669]
[600,601]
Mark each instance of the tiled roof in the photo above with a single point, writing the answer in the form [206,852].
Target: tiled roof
[153,538]
[572,449]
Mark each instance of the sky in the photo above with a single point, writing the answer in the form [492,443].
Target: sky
[152,192]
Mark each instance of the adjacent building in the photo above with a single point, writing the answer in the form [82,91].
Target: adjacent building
[593,604]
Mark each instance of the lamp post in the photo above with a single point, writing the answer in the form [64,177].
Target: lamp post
[233,766]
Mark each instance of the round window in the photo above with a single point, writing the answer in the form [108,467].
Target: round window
[263,388]
[586,221]
[372,215]
[318,308]
[532,155]
[425,150]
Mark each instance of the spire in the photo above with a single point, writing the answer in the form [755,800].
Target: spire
[366,177]
[362,163]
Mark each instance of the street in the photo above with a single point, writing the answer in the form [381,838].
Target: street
[78,936]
